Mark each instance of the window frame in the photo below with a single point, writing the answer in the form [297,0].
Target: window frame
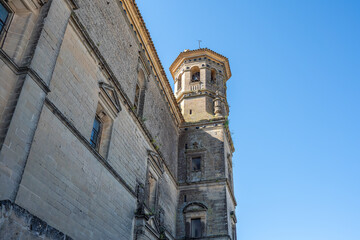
[192,233]
[97,143]
[5,28]
[195,210]
[192,76]
[192,163]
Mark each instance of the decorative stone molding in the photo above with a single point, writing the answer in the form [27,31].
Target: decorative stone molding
[112,97]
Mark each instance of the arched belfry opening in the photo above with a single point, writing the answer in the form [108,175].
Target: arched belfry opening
[213,76]
[195,74]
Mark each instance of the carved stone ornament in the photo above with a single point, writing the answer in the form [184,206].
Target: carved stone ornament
[111,95]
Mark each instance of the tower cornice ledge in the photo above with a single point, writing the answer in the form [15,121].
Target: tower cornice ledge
[202,52]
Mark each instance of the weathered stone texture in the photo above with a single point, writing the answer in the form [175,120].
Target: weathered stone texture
[80,196]
[161,124]
[206,141]
[75,83]
[19,137]
[8,82]
[111,32]
[18,223]
[213,196]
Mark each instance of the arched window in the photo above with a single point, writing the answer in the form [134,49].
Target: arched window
[195,74]
[140,93]
[213,76]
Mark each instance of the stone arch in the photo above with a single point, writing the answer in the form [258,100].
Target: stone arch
[195,207]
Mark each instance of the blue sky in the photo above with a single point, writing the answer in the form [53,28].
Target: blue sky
[295,107]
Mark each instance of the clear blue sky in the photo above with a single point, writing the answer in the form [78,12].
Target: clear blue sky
[295,106]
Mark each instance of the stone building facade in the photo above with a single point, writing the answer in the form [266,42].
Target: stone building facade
[94,144]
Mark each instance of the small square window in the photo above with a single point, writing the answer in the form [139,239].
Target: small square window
[196,164]
[196,227]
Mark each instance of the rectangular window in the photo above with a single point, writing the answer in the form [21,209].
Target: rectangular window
[95,134]
[196,164]
[4,14]
[196,227]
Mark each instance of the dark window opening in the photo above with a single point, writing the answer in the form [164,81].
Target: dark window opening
[95,134]
[213,77]
[4,14]
[190,111]
[184,198]
[195,77]
[196,227]
[196,164]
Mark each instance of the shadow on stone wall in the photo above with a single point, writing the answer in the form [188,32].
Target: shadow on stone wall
[17,223]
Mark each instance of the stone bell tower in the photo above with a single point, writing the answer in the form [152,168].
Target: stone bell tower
[200,84]
[206,199]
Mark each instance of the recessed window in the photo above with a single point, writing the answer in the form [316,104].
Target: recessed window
[190,111]
[195,77]
[95,134]
[179,83]
[101,131]
[196,227]
[4,14]
[137,97]
[196,164]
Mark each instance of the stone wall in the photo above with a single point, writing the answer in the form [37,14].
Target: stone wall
[17,223]
[213,196]
[206,141]
[67,186]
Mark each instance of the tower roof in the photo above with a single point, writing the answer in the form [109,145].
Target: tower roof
[199,53]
